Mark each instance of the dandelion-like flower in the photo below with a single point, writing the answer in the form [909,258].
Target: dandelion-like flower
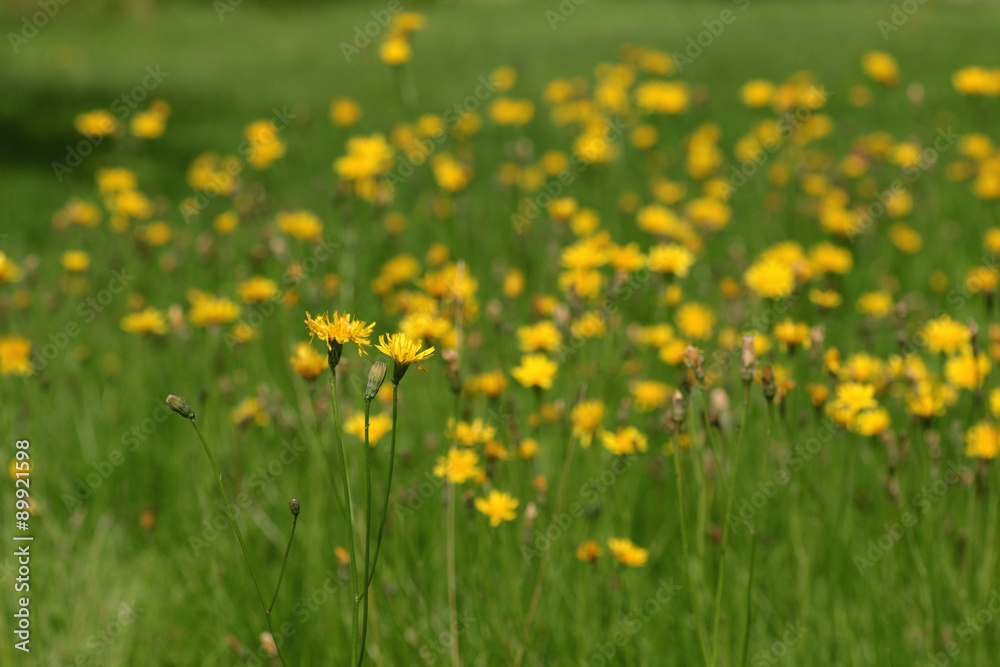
[628,553]
[404,351]
[498,506]
[338,329]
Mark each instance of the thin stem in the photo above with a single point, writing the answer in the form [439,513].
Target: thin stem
[687,551]
[347,513]
[725,527]
[452,581]
[368,530]
[388,484]
[281,575]
[753,536]
[239,535]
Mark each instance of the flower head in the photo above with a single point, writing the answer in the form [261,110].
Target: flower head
[15,356]
[404,351]
[339,329]
[498,506]
[627,552]
[536,370]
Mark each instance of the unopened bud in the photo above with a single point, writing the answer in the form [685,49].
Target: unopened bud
[677,410]
[180,406]
[767,381]
[749,359]
[293,505]
[376,376]
[693,360]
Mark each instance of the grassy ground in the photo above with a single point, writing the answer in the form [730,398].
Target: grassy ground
[107,590]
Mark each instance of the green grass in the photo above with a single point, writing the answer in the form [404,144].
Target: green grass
[97,406]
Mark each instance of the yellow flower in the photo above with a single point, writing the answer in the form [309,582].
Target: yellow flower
[695,320]
[459,466]
[757,93]
[671,258]
[498,506]
[156,233]
[946,335]
[257,289]
[9,271]
[75,261]
[872,422]
[627,553]
[587,417]
[98,123]
[650,395]
[882,67]
[407,22]
[208,309]
[395,50]
[149,124]
[543,336]
[366,158]
[344,112]
[471,433]
[536,370]
[265,147]
[404,351]
[966,372]
[589,551]
[378,426]
[15,356]
[877,304]
[905,238]
[825,298]
[250,410]
[340,329]
[982,279]
[792,334]
[509,111]
[666,97]
[148,321]
[850,399]
[302,225]
[306,361]
[770,278]
[627,440]
[982,441]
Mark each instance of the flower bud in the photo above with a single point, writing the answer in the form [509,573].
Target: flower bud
[693,360]
[293,505]
[749,359]
[376,376]
[767,381]
[180,406]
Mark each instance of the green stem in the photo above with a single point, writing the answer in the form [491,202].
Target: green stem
[239,535]
[368,530]
[347,513]
[388,485]
[753,536]
[687,551]
[725,527]
[281,575]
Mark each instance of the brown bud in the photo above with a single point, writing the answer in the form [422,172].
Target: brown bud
[749,359]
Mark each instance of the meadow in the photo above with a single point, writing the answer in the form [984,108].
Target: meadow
[702,293]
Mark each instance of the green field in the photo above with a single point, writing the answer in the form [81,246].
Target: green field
[843,547]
